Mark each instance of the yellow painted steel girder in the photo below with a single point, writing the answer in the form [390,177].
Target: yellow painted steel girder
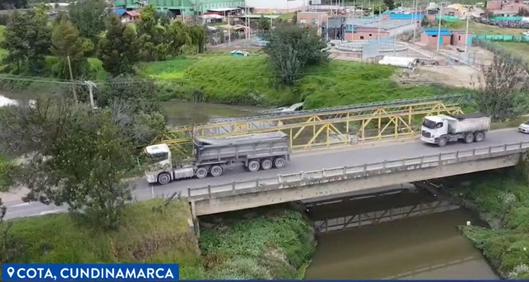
[318,129]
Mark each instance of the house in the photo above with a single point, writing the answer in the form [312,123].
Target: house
[316,20]
[127,16]
[430,37]
[276,6]
[376,28]
[506,8]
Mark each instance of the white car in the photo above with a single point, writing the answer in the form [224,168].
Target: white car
[524,127]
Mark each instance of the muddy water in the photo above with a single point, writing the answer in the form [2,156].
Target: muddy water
[426,247]
[184,113]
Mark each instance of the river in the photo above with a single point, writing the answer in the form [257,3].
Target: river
[185,113]
[424,247]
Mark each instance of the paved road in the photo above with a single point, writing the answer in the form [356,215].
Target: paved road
[354,155]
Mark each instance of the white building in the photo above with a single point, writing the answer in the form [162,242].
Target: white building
[277,6]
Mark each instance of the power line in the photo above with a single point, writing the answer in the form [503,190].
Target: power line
[37,79]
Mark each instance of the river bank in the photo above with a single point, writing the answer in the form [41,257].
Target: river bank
[152,231]
[502,199]
[267,243]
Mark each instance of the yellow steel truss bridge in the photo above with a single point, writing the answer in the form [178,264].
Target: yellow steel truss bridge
[325,127]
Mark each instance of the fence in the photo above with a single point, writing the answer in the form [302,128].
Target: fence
[504,38]
[353,172]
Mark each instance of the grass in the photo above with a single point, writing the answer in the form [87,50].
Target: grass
[166,70]
[519,49]
[481,29]
[146,235]
[485,29]
[502,198]
[250,80]
[275,244]
[344,83]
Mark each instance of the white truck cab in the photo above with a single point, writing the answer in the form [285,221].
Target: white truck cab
[160,168]
[433,127]
[159,157]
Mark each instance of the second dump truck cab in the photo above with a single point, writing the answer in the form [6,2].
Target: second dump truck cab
[212,155]
[442,129]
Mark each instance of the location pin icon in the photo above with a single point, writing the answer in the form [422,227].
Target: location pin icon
[10,271]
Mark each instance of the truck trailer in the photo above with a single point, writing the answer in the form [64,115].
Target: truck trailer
[442,129]
[212,155]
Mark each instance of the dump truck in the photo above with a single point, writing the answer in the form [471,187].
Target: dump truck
[442,129]
[211,156]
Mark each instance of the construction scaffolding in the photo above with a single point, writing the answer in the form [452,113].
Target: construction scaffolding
[328,127]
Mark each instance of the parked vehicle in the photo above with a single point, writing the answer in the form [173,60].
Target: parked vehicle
[524,127]
[402,62]
[442,129]
[212,155]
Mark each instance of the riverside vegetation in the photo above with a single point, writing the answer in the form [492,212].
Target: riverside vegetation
[502,200]
[272,243]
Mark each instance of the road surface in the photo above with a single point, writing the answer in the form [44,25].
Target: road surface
[332,158]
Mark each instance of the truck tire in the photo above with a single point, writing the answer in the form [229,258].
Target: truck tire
[266,164]
[164,178]
[280,162]
[480,136]
[216,171]
[469,138]
[254,165]
[201,172]
[442,141]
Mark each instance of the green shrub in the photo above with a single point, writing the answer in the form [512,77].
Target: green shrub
[267,246]
[148,234]
[5,169]
[502,197]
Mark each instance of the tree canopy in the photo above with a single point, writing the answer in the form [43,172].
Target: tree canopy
[505,89]
[70,49]
[291,48]
[76,156]
[118,49]
[89,17]
[27,40]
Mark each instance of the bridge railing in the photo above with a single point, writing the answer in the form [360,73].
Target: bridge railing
[367,170]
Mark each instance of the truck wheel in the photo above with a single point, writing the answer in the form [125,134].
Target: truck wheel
[216,170]
[164,178]
[266,164]
[280,162]
[469,138]
[254,165]
[442,141]
[201,172]
[480,136]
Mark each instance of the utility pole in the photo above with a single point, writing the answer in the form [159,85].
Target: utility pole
[71,78]
[439,29]
[91,85]
[466,39]
[229,31]
[415,18]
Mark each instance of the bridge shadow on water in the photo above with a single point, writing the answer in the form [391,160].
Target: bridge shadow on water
[409,234]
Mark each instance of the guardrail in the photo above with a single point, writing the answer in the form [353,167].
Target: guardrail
[367,170]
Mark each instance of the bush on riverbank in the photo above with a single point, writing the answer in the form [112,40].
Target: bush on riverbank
[5,168]
[150,233]
[502,199]
[276,244]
